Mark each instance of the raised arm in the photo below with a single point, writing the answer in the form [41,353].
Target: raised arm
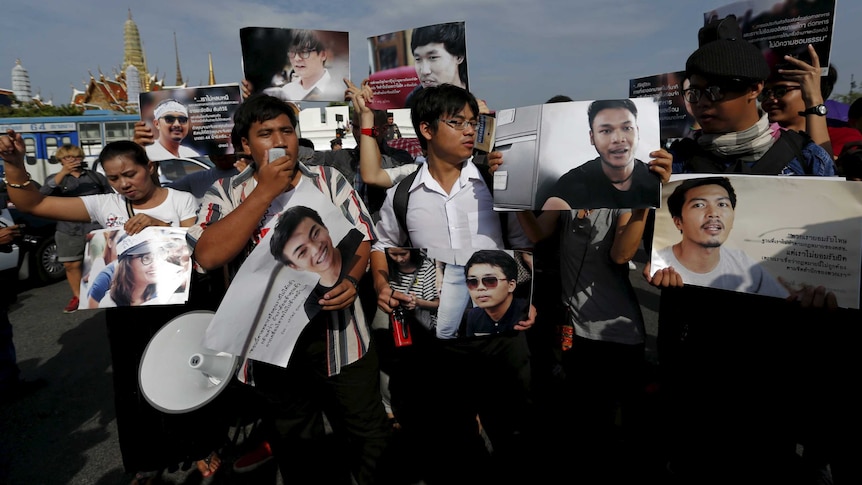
[370,167]
[808,77]
[24,194]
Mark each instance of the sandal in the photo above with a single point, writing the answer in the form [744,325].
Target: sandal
[209,465]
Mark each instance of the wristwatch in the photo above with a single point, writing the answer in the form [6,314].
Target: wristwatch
[819,110]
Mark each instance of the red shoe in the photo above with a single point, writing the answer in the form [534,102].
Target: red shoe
[72,307]
[253,459]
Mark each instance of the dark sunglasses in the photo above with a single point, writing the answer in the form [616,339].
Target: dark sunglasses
[776,92]
[171,119]
[489,282]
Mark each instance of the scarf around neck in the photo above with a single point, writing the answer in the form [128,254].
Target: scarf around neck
[747,145]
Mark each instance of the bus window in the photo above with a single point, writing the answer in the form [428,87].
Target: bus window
[119,130]
[30,146]
[50,147]
[90,135]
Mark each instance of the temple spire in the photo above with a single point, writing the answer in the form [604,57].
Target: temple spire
[133,50]
[212,73]
[177,52]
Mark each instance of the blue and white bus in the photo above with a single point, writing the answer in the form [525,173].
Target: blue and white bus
[91,131]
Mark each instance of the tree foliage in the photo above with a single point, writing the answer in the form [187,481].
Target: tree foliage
[28,110]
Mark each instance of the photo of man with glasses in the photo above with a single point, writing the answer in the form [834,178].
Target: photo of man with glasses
[73,180]
[171,122]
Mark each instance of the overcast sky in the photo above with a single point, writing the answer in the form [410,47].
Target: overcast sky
[519,52]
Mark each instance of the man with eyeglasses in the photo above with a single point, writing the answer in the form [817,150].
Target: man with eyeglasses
[73,180]
[309,79]
[171,121]
[451,213]
[709,335]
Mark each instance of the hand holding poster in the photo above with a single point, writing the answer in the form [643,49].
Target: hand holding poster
[753,234]
[190,122]
[549,155]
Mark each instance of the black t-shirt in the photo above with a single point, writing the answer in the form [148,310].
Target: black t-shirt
[587,187]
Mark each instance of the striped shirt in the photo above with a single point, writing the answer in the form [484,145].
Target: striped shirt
[348,334]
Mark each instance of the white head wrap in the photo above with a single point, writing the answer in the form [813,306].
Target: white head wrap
[169,106]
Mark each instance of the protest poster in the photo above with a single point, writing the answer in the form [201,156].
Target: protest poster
[276,291]
[784,27]
[296,64]
[550,155]
[152,267]
[190,122]
[405,62]
[754,234]
[674,114]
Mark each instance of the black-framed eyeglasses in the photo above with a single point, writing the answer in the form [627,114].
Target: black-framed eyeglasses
[171,119]
[461,125]
[146,259]
[73,157]
[776,92]
[489,282]
[303,54]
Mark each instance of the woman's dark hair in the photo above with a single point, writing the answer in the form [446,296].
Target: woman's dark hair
[417,256]
[494,257]
[130,149]
[123,283]
[288,221]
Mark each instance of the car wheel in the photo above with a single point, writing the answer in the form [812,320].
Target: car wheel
[46,267]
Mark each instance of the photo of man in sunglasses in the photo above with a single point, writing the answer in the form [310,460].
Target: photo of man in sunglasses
[171,122]
[492,277]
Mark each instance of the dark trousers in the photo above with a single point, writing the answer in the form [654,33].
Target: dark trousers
[299,397]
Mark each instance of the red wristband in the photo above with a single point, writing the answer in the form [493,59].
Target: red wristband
[372,132]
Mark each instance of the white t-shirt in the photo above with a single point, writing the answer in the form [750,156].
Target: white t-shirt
[156,152]
[109,210]
[293,91]
[735,271]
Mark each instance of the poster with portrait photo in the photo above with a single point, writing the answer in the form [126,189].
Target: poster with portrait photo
[552,158]
[276,291]
[405,62]
[754,234]
[784,27]
[152,267]
[296,64]
[481,292]
[674,114]
[190,122]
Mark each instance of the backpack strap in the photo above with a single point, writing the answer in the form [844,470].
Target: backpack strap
[400,200]
[402,197]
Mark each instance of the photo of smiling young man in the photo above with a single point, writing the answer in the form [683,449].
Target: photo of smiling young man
[615,179]
[703,210]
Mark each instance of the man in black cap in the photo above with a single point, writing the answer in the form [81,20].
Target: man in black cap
[726,75]
[731,407]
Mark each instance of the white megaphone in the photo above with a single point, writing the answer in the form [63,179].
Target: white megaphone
[178,374]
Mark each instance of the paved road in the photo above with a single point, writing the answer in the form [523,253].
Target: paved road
[66,433]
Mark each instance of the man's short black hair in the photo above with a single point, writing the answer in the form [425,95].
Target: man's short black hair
[288,221]
[305,142]
[677,198]
[432,103]
[494,257]
[559,98]
[452,37]
[258,108]
[603,104]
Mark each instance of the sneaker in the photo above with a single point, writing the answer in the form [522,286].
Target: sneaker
[72,307]
[253,459]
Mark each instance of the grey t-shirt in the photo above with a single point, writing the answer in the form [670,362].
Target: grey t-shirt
[600,298]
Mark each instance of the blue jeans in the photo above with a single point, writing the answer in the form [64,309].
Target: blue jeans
[454,298]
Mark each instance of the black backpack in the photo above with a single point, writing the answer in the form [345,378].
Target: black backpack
[787,147]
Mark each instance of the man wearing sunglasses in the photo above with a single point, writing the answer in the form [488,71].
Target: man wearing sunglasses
[171,121]
[492,276]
